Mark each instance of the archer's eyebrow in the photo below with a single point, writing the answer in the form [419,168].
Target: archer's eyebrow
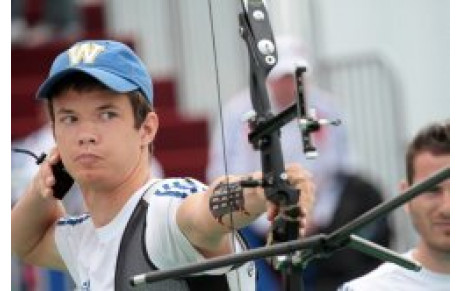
[103,107]
[65,111]
[106,106]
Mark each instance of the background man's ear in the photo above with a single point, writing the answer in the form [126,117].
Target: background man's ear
[403,186]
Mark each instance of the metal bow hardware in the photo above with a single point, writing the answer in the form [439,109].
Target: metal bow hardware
[255,30]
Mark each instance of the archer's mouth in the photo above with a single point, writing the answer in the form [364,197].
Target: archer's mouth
[87,158]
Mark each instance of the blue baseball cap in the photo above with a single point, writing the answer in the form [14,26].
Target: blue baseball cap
[112,63]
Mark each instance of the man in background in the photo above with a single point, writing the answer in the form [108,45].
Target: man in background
[428,153]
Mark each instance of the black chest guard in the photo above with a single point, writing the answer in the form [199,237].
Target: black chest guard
[133,259]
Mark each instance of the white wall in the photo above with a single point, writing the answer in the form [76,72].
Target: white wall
[413,35]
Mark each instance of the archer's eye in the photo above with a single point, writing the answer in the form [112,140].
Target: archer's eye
[107,115]
[68,119]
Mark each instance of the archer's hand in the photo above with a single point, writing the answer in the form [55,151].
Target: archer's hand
[301,179]
[255,203]
[44,180]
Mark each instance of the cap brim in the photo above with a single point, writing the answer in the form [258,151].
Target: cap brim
[112,81]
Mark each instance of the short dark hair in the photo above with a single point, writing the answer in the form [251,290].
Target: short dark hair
[82,82]
[434,138]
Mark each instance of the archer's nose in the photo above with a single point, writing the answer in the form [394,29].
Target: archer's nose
[86,139]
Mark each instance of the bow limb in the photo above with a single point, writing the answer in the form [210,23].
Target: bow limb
[255,29]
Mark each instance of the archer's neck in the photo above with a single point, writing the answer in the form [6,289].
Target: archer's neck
[105,203]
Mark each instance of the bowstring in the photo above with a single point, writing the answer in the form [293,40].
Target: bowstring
[222,132]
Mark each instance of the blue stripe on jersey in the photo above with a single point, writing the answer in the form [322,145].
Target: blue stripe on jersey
[73,220]
[195,185]
[171,193]
[180,188]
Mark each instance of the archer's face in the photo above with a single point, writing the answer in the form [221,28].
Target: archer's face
[430,212]
[96,137]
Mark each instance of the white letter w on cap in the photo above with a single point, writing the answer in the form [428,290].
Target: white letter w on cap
[84,52]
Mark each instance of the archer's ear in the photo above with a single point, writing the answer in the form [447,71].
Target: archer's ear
[403,186]
[149,128]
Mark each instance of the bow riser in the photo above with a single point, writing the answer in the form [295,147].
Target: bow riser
[256,31]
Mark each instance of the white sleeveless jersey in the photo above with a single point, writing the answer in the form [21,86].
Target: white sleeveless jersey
[90,253]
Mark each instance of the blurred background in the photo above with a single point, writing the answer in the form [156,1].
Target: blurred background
[385,63]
